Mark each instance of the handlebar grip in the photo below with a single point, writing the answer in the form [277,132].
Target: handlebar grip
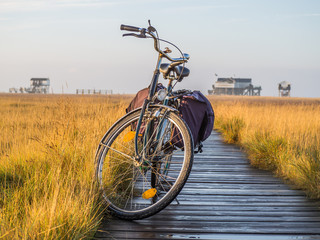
[129,28]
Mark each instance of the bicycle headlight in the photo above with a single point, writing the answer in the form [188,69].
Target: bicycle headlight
[161,94]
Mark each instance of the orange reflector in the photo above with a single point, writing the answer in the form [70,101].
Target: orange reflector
[149,193]
[129,136]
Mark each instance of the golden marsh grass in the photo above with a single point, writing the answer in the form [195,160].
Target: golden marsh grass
[47,147]
[279,134]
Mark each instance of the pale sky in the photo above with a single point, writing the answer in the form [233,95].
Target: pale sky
[78,43]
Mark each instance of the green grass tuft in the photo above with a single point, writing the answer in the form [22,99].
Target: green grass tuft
[232,129]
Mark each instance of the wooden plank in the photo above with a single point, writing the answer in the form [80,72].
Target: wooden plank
[258,204]
[217,227]
[205,236]
[288,208]
[240,192]
[226,198]
[245,186]
[238,216]
[225,201]
[244,228]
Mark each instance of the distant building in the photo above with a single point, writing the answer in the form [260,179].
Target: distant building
[234,86]
[37,85]
[284,89]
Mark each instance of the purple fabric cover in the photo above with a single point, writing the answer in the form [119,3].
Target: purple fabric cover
[197,112]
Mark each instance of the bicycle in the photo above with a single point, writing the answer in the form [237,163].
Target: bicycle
[144,159]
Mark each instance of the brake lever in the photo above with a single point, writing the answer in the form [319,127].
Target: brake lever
[134,35]
[129,34]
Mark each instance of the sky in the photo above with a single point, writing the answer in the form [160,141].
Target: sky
[78,43]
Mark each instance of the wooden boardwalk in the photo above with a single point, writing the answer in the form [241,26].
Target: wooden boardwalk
[226,198]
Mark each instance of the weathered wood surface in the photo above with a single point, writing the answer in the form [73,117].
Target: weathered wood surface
[226,198]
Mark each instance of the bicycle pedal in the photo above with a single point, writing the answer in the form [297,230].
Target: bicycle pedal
[150,193]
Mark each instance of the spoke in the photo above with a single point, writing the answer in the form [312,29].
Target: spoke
[130,197]
[120,159]
[155,130]
[126,155]
[148,143]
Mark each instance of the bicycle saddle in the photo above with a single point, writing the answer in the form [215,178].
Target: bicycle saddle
[166,68]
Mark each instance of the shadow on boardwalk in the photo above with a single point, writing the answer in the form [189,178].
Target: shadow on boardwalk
[226,198]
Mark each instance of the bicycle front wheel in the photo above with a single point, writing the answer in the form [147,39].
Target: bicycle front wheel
[135,188]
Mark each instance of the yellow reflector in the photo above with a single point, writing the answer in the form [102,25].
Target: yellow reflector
[149,193]
[129,136]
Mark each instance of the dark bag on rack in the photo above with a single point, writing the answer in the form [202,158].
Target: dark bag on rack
[194,108]
[197,112]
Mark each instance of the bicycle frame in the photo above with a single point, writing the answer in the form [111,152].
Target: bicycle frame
[147,101]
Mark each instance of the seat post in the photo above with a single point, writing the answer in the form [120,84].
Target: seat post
[170,84]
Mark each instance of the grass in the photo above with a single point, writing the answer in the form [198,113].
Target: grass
[48,142]
[47,147]
[279,134]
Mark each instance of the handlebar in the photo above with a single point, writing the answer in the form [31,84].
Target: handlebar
[150,31]
[129,28]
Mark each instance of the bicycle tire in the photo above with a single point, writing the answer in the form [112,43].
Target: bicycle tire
[124,182]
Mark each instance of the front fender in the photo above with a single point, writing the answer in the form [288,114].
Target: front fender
[164,106]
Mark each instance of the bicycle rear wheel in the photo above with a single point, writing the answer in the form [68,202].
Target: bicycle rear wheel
[137,188]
